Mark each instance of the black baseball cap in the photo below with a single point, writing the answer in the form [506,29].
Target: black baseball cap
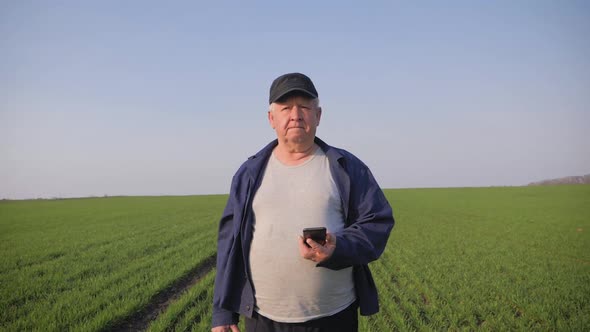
[288,83]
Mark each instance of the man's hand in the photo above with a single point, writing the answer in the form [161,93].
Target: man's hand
[317,252]
[226,328]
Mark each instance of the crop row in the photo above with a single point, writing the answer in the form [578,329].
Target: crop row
[191,312]
[89,282]
[486,258]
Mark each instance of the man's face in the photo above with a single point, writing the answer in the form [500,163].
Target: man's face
[295,119]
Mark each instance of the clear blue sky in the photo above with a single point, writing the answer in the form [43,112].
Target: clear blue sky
[167,98]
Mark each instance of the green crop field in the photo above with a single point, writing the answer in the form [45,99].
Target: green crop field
[458,259]
[85,264]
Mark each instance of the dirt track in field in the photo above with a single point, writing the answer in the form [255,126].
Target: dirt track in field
[159,302]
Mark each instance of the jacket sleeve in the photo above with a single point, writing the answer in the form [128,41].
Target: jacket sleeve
[225,239]
[370,221]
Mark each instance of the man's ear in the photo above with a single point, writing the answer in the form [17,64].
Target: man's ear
[271,119]
[319,115]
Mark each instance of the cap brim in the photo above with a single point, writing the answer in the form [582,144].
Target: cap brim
[293,90]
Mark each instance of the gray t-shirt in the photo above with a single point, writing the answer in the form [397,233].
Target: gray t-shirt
[289,288]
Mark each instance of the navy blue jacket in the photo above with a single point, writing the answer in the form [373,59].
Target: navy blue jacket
[368,217]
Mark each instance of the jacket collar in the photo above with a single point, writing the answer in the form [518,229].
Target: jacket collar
[331,152]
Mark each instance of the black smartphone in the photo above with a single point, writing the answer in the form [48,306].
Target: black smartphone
[318,234]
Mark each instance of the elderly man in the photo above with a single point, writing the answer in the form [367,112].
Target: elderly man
[266,271]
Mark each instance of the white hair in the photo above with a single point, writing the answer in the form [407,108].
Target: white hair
[315,101]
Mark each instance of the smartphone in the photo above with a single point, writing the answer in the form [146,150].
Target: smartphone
[318,234]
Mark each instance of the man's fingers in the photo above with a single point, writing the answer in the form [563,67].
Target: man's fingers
[301,240]
[312,243]
[303,247]
[305,251]
[234,328]
[313,251]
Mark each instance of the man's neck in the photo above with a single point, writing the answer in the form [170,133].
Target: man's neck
[294,154]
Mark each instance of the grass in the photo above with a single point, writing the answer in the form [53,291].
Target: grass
[487,258]
[513,258]
[191,312]
[85,263]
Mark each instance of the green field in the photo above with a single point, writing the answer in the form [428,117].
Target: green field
[458,259]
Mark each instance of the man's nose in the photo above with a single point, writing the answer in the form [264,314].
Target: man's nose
[295,113]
